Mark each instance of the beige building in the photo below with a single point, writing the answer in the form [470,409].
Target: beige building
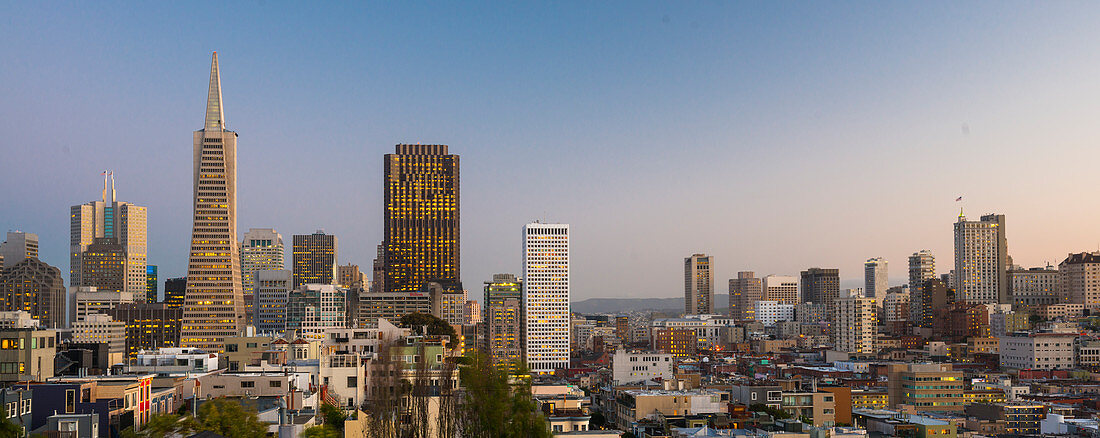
[633,405]
[1034,287]
[391,306]
[261,250]
[349,276]
[780,288]
[745,291]
[981,260]
[102,329]
[1080,279]
[88,301]
[855,325]
[244,350]
[926,386]
[214,305]
[698,285]
[109,230]
[1038,351]
[27,354]
[819,407]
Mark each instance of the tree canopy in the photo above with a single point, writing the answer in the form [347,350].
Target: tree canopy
[436,327]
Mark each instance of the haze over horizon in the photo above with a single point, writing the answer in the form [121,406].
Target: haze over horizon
[772,137]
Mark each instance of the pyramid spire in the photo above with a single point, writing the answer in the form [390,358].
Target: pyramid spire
[215,117]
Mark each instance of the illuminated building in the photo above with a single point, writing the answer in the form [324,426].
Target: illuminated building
[174,291]
[780,288]
[149,326]
[314,259]
[36,288]
[102,329]
[679,342]
[421,218]
[103,266]
[504,319]
[89,301]
[272,290]
[1080,279]
[854,324]
[214,305]
[261,249]
[745,291]
[981,260]
[349,277]
[1034,287]
[151,289]
[546,296]
[698,285]
[821,286]
[119,223]
[312,308]
[473,312]
[391,306]
[922,267]
[926,386]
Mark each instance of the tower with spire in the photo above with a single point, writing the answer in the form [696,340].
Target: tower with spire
[214,307]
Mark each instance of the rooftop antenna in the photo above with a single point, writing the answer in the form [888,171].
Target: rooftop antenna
[104,186]
[112,174]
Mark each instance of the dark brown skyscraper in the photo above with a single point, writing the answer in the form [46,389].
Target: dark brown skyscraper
[315,258]
[421,218]
[821,286]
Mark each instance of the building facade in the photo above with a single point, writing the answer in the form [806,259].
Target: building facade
[17,247]
[981,260]
[504,319]
[876,278]
[1079,278]
[149,326]
[312,308]
[546,296]
[116,223]
[1034,287]
[272,291]
[34,287]
[261,249]
[922,267]
[745,291]
[821,286]
[315,257]
[770,312]
[781,288]
[698,285]
[855,325]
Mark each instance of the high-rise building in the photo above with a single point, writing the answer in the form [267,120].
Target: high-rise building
[313,308]
[1080,279]
[149,326]
[214,306]
[854,324]
[421,218]
[272,291]
[1035,287]
[103,266]
[770,312]
[315,259]
[981,260]
[876,278]
[698,285]
[546,296]
[781,288]
[89,301]
[261,249]
[448,304]
[821,286]
[935,297]
[391,306]
[745,291]
[473,312]
[349,277]
[151,286]
[121,223]
[504,319]
[895,311]
[175,289]
[102,329]
[17,247]
[34,287]
[922,267]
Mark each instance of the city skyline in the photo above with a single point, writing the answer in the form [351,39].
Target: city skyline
[693,151]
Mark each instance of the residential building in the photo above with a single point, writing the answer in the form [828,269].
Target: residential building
[922,267]
[315,258]
[1002,323]
[149,326]
[935,296]
[855,325]
[925,386]
[17,319]
[678,342]
[168,361]
[504,319]
[818,407]
[121,225]
[745,291]
[18,247]
[546,296]
[781,288]
[121,402]
[35,287]
[27,354]
[633,367]
[811,313]
[261,249]
[876,279]
[1020,418]
[770,312]
[1080,279]
[421,238]
[1038,350]
[1034,287]
[214,303]
[447,304]
[272,289]
[895,311]
[17,404]
[175,290]
[981,260]
[633,405]
[349,277]
[698,285]
[313,308]
[767,395]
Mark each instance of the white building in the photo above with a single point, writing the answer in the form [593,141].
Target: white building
[708,328]
[876,278]
[174,361]
[781,288]
[17,319]
[981,260]
[88,301]
[1038,351]
[272,291]
[109,218]
[854,324]
[261,250]
[771,312]
[546,296]
[102,329]
[1012,392]
[632,367]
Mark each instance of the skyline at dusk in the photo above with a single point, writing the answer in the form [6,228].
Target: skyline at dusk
[771,138]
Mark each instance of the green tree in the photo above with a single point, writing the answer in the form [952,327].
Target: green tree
[323,431]
[334,417]
[8,428]
[436,327]
[222,416]
[496,407]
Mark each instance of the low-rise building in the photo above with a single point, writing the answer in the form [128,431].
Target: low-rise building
[173,361]
[1019,418]
[98,328]
[27,354]
[633,367]
[1043,350]
[633,405]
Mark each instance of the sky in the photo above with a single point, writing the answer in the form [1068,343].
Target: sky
[772,136]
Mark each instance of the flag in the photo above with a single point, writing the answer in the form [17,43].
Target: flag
[960,198]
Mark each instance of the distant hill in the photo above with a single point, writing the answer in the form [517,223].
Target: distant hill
[616,305]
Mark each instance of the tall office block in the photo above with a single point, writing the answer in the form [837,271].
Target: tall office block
[781,288]
[821,286]
[922,267]
[314,259]
[121,223]
[272,289]
[103,266]
[214,306]
[546,296]
[261,249]
[17,247]
[503,319]
[698,285]
[448,304]
[421,218]
[854,324]
[981,260]
[745,291]
[34,287]
[348,276]
[313,308]
[149,326]
[175,289]
[876,278]
[151,286]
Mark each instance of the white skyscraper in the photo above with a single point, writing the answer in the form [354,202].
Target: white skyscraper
[123,222]
[261,249]
[981,260]
[546,296]
[876,278]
